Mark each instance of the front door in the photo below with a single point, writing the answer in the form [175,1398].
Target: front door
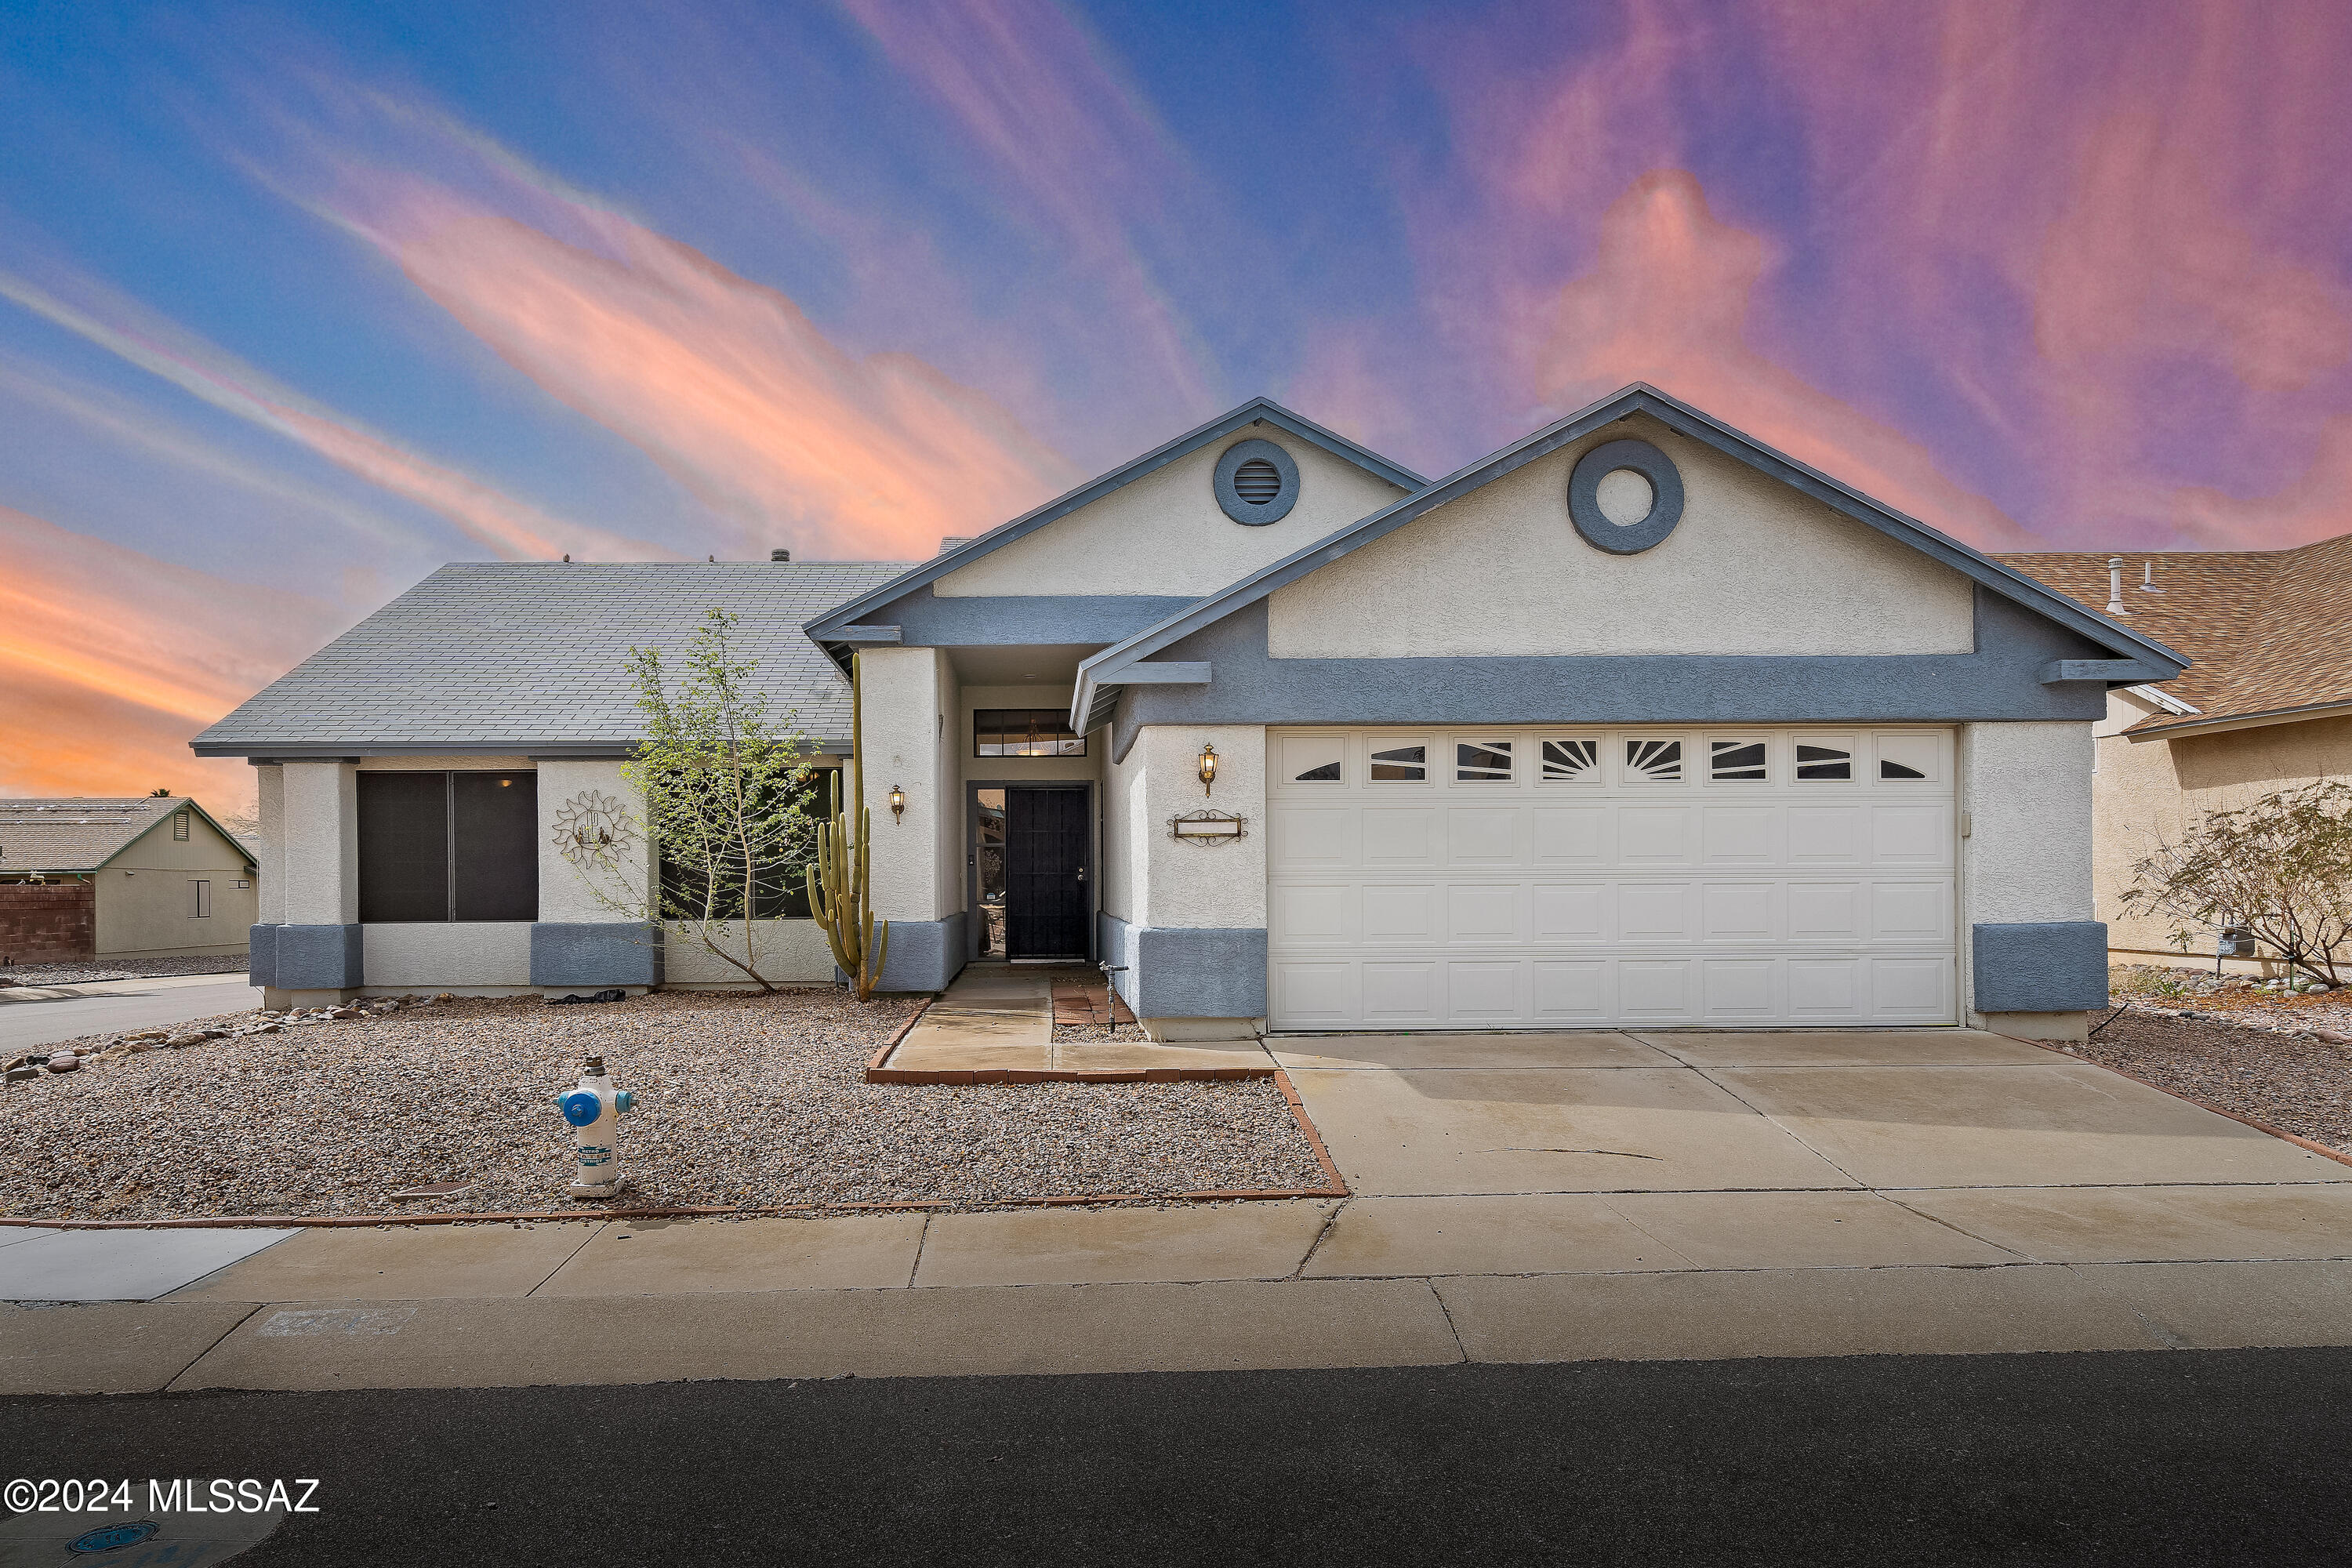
[1046,903]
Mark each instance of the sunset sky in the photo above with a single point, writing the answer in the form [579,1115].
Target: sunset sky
[298,301]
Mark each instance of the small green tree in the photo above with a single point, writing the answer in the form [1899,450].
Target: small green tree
[724,794]
[2281,868]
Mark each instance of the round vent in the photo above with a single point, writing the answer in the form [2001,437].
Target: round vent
[1257,481]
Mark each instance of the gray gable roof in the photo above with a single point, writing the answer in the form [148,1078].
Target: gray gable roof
[83,834]
[528,656]
[830,625]
[1104,669]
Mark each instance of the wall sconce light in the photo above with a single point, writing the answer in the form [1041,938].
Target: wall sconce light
[898,804]
[1208,770]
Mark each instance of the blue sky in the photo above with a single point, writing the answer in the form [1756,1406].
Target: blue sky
[298,301]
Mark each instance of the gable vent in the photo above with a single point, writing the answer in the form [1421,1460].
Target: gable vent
[1256,481]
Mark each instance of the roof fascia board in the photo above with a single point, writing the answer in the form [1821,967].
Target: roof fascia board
[2225,722]
[2159,697]
[263,756]
[828,626]
[1683,419]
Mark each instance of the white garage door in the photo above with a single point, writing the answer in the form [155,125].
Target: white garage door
[1562,879]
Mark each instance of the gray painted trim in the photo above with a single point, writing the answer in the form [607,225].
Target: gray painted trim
[534,750]
[319,958]
[1584,496]
[1639,398]
[2000,680]
[924,955]
[261,956]
[1229,498]
[2114,671]
[2051,966]
[866,635]
[595,955]
[1041,620]
[1167,673]
[1226,423]
[1187,973]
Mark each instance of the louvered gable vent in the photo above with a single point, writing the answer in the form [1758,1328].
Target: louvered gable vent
[1256,481]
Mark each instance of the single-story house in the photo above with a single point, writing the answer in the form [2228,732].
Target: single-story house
[2267,705]
[1633,722]
[148,878]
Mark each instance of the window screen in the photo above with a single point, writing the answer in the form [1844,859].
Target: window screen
[200,901]
[404,847]
[495,853]
[1024,732]
[448,846]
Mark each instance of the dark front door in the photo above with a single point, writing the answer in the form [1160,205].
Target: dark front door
[1046,898]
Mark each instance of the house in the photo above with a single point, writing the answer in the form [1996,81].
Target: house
[152,877]
[1635,722]
[2267,705]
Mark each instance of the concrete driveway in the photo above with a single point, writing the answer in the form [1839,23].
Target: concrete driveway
[1618,1151]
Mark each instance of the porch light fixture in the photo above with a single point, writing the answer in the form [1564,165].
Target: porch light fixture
[1208,770]
[898,804]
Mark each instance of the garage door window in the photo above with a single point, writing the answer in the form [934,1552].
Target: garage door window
[1737,761]
[1571,761]
[1483,762]
[1312,758]
[1654,761]
[1908,759]
[1401,764]
[1820,763]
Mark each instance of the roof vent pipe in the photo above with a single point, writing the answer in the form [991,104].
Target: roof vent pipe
[2147,578]
[2115,586]
[780,555]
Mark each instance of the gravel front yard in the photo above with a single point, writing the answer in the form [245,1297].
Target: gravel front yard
[742,1100]
[2257,1058]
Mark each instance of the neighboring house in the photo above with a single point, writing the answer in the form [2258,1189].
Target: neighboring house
[1635,723]
[153,878]
[2266,707]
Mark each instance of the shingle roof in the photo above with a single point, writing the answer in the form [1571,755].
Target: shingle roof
[76,834]
[2265,628]
[528,656]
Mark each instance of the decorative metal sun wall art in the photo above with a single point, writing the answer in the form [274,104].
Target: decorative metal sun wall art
[591,827]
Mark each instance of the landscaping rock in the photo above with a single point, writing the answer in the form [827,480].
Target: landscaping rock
[63,1061]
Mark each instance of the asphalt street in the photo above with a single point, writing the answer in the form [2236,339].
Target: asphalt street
[140,1005]
[2140,1457]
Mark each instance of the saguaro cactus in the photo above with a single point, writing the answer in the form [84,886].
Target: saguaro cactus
[840,883]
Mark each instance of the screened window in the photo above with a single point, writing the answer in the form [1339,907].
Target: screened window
[779,890]
[448,846]
[1024,732]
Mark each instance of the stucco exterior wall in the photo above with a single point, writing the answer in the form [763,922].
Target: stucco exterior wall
[1165,534]
[569,893]
[269,805]
[907,694]
[794,953]
[321,838]
[2149,791]
[2025,789]
[1754,568]
[1215,886]
[447,955]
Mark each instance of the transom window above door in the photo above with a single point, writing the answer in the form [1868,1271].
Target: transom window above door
[1024,732]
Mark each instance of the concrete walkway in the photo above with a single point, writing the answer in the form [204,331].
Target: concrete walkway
[994,1024]
[39,1015]
[1516,1199]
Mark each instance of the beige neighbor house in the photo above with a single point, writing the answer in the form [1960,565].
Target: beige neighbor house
[2267,705]
[153,878]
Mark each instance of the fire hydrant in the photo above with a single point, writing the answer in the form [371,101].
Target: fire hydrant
[594,1111]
